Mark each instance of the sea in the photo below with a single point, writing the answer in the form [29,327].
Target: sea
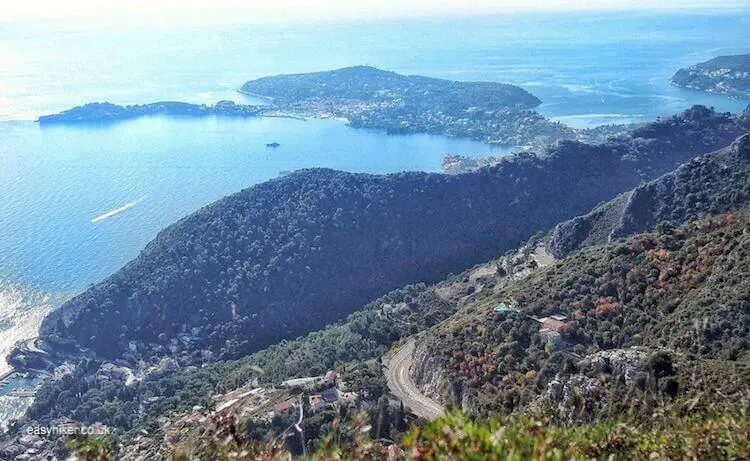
[79,201]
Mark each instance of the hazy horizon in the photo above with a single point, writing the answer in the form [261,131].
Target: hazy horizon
[140,12]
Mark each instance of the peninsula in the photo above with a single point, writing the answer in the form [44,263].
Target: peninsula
[372,98]
[724,74]
[105,111]
[366,97]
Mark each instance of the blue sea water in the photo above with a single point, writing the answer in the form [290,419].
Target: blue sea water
[80,201]
[21,383]
[139,176]
[580,64]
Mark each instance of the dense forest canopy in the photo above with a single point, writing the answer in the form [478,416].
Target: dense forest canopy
[373,98]
[368,84]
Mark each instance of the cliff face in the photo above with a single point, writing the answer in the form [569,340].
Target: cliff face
[708,185]
[724,74]
[437,382]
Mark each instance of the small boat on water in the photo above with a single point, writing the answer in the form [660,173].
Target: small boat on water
[273,144]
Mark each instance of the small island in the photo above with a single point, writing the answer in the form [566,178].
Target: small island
[108,112]
[728,75]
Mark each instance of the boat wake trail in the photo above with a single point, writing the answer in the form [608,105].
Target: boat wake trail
[116,211]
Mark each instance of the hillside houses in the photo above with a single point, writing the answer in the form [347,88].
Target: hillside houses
[330,398]
[323,393]
[551,328]
[287,406]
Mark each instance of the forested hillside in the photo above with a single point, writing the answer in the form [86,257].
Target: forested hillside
[710,184]
[373,98]
[723,74]
[368,84]
[659,318]
[289,256]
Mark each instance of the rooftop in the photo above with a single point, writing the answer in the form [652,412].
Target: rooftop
[283,406]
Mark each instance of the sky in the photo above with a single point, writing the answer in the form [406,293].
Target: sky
[290,10]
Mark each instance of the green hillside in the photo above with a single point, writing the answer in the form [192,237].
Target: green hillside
[289,256]
[659,317]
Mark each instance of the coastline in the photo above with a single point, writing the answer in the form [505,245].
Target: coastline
[106,112]
[735,95]
[255,95]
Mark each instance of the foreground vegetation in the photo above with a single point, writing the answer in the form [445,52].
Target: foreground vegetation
[458,437]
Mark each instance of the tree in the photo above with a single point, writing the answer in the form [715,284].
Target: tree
[381,418]
[401,423]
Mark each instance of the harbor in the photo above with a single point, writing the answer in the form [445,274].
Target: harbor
[20,384]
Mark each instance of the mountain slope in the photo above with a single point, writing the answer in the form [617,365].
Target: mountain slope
[625,301]
[289,256]
[710,184]
[657,318]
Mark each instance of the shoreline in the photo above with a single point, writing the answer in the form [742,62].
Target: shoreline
[255,95]
[734,95]
[106,112]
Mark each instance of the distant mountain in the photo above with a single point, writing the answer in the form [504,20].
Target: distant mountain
[724,74]
[710,184]
[291,255]
[374,98]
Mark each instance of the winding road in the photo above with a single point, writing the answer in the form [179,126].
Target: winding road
[401,384]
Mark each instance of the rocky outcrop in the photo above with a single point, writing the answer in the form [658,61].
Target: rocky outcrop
[622,365]
[593,228]
[434,382]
